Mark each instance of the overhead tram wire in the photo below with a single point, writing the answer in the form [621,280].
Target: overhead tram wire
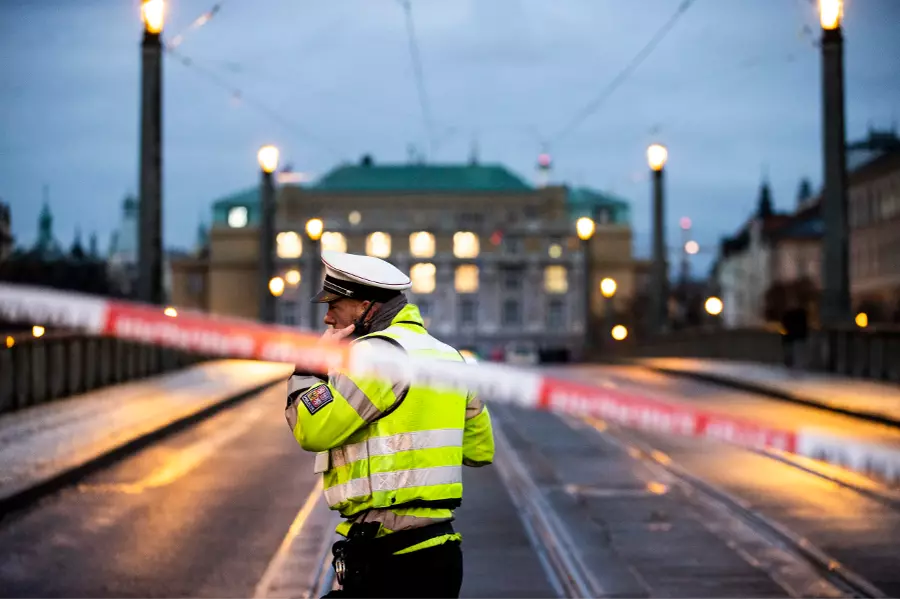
[624,74]
[236,92]
[418,75]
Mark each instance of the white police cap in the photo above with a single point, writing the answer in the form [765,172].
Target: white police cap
[359,277]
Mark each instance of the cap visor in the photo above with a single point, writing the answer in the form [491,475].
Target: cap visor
[325,296]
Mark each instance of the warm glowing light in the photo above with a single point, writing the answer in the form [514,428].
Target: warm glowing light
[657,155]
[555,251]
[466,279]
[465,244]
[713,306]
[237,216]
[292,277]
[332,240]
[288,245]
[37,331]
[421,244]
[692,247]
[314,228]
[153,15]
[830,13]
[608,287]
[378,244]
[276,286]
[619,333]
[585,227]
[354,217]
[862,320]
[170,311]
[556,279]
[268,158]
[10,342]
[422,276]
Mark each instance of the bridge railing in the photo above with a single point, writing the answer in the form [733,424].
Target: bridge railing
[853,352]
[58,365]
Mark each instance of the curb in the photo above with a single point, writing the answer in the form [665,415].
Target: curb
[765,390]
[24,498]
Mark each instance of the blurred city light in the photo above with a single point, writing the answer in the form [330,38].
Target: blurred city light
[354,217]
[585,227]
[714,306]
[555,251]
[292,277]
[619,333]
[276,286]
[657,155]
[685,223]
[153,15]
[862,320]
[268,158]
[608,287]
[10,341]
[692,247]
[544,160]
[314,228]
[170,311]
[830,13]
[37,331]
[288,245]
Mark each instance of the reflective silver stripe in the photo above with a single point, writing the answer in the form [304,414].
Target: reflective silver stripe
[392,444]
[474,407]
[300,383]
[395,522]
[394,480]
[322,462]
[356,398]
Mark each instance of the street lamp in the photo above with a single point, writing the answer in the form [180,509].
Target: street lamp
[619,333]
[150,261]
[608,287]
[268,163]
[713,306]
[585,228]
[657,155]
[314,229]
[276,286]
[835,263]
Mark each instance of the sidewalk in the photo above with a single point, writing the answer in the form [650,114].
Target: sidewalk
[41,445]
[856,397]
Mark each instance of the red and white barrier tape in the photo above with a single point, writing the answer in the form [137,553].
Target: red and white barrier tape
[238,338]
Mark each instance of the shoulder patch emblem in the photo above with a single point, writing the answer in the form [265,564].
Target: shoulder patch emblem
[316,397]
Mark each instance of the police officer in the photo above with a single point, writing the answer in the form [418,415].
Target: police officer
[391,452]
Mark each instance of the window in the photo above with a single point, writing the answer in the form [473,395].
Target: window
[512,278]
[467,312]
[237,216]
[422,276]
[512,244]
[466,279]
[555,280]
[555,314]
[292,277]
[511,313]
[332,240]
[288,245]
[195,284]
[378,244]
[470,220]
[288,312]
[421,244]
[465,244]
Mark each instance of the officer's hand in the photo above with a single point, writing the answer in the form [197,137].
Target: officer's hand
[336,335]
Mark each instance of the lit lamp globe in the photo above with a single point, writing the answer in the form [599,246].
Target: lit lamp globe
[657,155]
[276,286]
[153,15]
[831,12]
[585,228]
[314,228]
[619,333]
[713,306]
[608,287]
[268,158]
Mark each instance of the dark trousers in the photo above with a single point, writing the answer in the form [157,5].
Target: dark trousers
[435,572]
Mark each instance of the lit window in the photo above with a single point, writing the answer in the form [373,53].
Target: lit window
[465,244]
[421,244]
[422,276]
[555,250]
[467,279]
[555,280]
[332,240]
[237,216]
[378,244]
[288,244]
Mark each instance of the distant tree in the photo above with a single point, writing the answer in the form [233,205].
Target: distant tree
[804,192]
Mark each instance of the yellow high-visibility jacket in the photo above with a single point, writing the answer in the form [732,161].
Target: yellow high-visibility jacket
[387,449]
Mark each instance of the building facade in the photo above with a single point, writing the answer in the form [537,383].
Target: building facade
[6,238]
[494,261]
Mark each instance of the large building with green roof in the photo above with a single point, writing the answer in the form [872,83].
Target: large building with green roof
[494,259]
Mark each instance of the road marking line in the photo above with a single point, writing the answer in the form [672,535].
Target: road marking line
[281,554]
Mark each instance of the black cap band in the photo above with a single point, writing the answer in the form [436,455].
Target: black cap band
[357,291]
